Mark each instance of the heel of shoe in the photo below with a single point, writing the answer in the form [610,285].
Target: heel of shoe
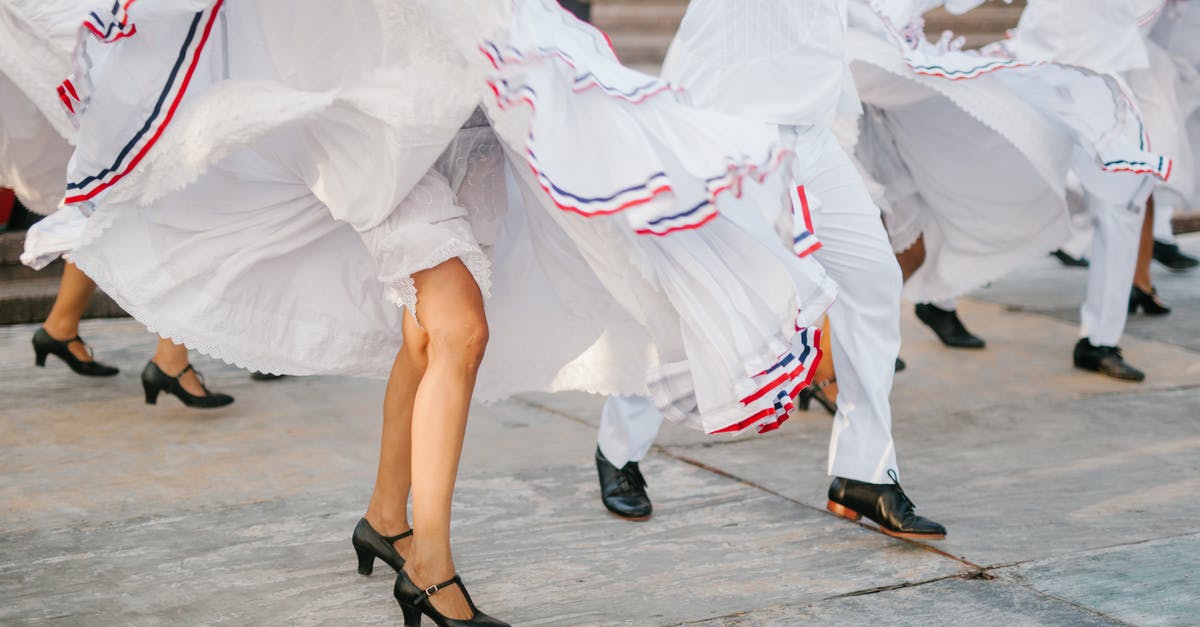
[366,560]
[151,392]
[843,511]
[39,359]
[412,615]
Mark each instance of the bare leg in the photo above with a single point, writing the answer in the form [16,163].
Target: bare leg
[1141,275]
[74,292]
[825,373]
[450,309]
[912,259]
[172,358]
[388,511]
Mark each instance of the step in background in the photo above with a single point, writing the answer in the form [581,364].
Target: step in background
[27,296]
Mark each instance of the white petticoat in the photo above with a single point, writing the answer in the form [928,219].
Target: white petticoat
[272,211]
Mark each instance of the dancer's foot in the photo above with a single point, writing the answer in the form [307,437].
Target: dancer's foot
[187,386]
[886,504]
[1170,256]
[1071,262]
[417,588]
[819,392]
[1106,360]
[370,544]
[948,327]
[623,490]
[72,350]
[1148,301]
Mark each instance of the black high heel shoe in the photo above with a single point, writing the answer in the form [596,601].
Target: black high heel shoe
[369,544]
[44,345]
[816,392]
[414,602]
[154,380]
[1147,301]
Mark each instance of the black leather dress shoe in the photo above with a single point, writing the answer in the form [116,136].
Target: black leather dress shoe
[1170,256]
[623,490]
[948,327]
[1071,262]
[1106,360]
[886,504]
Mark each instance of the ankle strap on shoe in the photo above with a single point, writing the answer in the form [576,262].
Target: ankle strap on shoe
[434,589]
[399,537]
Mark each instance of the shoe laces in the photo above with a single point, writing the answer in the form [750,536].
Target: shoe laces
[631,477]
[896,481]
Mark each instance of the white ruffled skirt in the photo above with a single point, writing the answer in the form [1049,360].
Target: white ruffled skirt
[974,152]
[264,179]
[36,39]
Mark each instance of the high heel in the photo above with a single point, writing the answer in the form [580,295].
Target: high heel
[816,392]
[44,344]
[415,602]
[1147,301]
[369,544]
[154,380]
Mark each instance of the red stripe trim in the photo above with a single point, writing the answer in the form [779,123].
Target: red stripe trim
[810,250]
[808,225]
[166,119]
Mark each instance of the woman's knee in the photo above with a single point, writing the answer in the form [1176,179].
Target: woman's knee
[461,338]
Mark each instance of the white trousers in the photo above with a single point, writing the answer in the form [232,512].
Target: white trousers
[1116,205]
[865,321]
[1164,210]
[628,426]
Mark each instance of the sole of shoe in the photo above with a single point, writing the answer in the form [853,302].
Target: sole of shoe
[841,510]
[630,518]
[853,516]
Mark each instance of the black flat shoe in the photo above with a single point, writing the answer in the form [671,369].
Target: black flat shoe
[1147,302]
[816,392]
[368,545]
[1106,360]
[266,376]
[886,504]
[1069,261]
[44,345]
[623,490]
[948,327]
[414,602]
[154,380]
[1170,256]
[900,365]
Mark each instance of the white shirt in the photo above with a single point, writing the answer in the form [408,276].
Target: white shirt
[778,61]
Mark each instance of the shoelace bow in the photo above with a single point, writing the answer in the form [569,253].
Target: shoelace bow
[631,477]
[896,480]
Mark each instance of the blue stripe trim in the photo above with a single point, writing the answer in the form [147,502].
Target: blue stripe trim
[154,115]
[679,215]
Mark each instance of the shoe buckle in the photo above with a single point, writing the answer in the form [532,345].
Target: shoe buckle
[432,590]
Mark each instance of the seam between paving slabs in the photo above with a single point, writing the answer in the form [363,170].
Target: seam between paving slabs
[973,569]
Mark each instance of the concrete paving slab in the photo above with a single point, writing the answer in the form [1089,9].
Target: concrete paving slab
[1152,583]
[1016,482]
[1046,287]
[949,602]
[532,546]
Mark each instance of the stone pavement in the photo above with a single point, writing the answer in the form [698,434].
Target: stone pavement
[1070,499]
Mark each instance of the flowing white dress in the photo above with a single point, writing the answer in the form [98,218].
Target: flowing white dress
[263,179]
[36,39]
[974,150]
